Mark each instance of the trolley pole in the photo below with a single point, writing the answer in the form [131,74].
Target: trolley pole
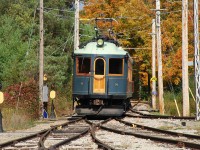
[76,25]
[186,105]
[159,58]
[153,79]
[196,56]
[41,58]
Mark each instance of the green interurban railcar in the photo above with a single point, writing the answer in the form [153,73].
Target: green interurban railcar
[102,78]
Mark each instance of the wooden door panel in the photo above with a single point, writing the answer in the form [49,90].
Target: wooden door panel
[99,84]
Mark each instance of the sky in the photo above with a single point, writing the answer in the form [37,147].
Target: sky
[81,5]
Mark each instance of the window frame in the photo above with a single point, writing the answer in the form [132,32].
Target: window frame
[77,66]
[110,74]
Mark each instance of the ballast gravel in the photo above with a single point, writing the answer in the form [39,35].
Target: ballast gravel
[82,143]
[117,141]
[12,135]
[182,126]
[125,142]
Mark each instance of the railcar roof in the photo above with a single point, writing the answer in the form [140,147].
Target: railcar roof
[107,49]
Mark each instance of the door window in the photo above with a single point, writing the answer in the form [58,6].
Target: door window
[99,67]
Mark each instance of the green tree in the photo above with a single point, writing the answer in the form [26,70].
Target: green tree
[19,40]
[13,51]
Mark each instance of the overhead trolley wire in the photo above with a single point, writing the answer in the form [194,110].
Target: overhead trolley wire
[64,10]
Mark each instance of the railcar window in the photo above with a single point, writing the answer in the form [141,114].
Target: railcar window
[83,65]
[99,67]
[116,66]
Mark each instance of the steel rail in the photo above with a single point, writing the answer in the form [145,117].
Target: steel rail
[91,130]
[159,139]
[99,142]
[43,138]
[23,138]
[96,140]
[70,122]
[37,134]
[159,116]
[53,128]
[135,116]
[98,124]
[159,130]
[53,147]
[136,103]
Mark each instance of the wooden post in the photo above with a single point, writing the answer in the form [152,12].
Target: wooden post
[76,25]
[159,58]
[186,107]
[41,58]
[196,56]
[153,79]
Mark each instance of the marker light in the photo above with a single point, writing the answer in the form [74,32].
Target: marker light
[45,77]
[52,94]
[100,42]
[1,97]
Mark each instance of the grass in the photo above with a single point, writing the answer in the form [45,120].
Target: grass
[18,120]
[13,120]
[170,106]
[169,101]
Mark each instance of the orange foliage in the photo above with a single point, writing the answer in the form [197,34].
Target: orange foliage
[135,22]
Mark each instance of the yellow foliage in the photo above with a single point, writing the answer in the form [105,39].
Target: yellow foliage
[143,67]
[177,81]
[144,78]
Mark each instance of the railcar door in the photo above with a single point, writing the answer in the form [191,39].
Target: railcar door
[99,75]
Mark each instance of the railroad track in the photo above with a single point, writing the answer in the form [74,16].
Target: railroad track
[146,110]
[59,137]
[138,114]
[96,133]
[36,140]
[80,132]
[154,134]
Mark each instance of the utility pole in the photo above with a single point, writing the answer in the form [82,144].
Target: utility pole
[153,79]
[41,58]
[186,104]
[159,58]
[76,25]
[196,56]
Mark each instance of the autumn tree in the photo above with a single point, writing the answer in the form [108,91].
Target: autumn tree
[171,39]
[132,28]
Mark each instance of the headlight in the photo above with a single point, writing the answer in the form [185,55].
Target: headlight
[45,77]
[100,42]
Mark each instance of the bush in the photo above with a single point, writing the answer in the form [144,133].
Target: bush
[23,96]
